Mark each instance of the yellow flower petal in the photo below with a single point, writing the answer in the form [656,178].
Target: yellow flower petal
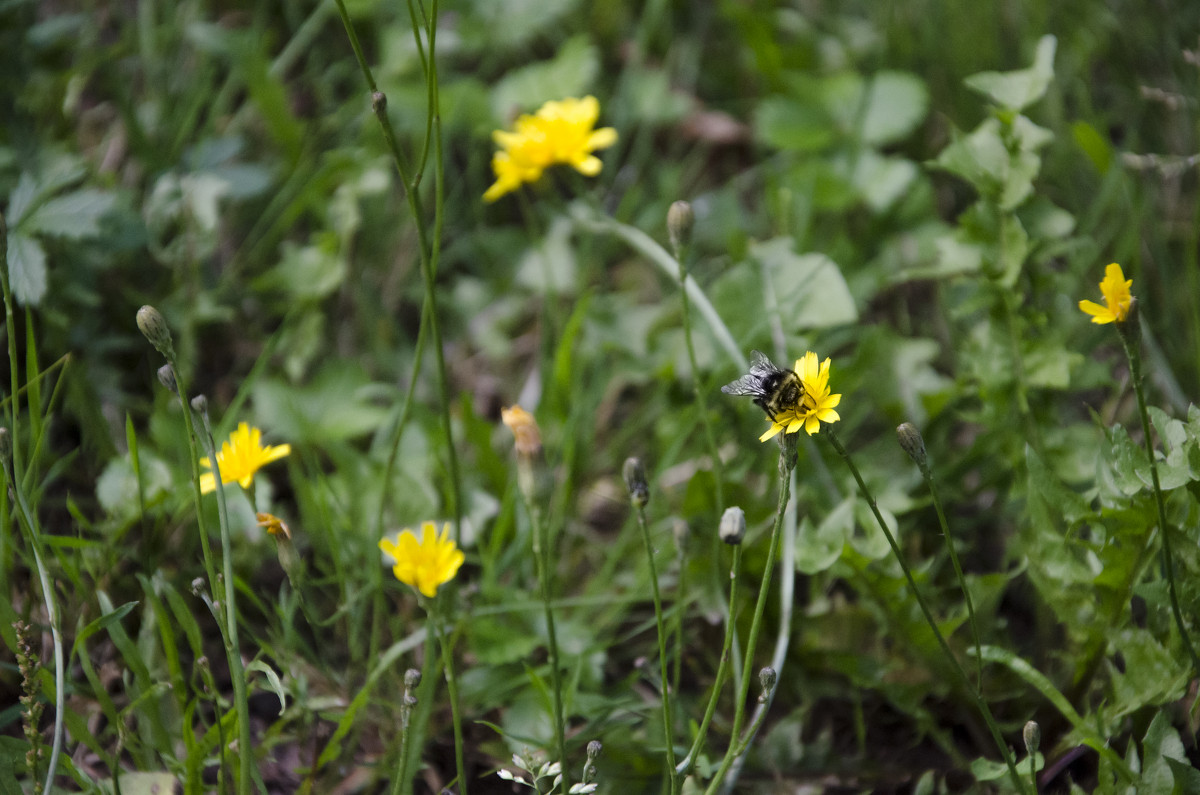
[240,458]
[424,564]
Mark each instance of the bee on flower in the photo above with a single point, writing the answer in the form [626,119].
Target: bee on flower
[792,399]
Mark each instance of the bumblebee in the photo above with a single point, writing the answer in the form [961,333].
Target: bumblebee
[774,389]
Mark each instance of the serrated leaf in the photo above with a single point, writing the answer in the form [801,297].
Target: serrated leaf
[568,74]
[26,269]
[1018,89]
[73,216]
[20,200]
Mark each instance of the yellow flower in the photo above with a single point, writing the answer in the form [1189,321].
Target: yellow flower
[524,428]
[240,458]
[1117,297]
[560,132]
[815,407]
[273,525]
[424,564]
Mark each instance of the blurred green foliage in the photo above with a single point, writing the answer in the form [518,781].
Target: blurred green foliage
[921,190]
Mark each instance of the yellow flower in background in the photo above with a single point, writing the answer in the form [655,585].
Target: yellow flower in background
[1117,297]
[240,458]
[424,564]
[560,132]
[815,407]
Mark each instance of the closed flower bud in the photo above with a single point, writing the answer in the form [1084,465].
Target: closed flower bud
[152,324]
[767,678]
[1032,733]
[733,526]
[635,481]
[166,377]
[913,444]
[200,405]
[680,220]
[412,678]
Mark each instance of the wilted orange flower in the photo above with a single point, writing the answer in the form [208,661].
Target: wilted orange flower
[525,430]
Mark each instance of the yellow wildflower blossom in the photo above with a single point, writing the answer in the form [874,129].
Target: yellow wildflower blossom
[1117,297]
[559,132]
[815,407]
[240,458]
[424,564]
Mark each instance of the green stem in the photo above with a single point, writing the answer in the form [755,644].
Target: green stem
[541,557]
[912,584]
[668,719]
[958,572]
[428,253]
[787,462]
[1168,560]
[452,688]
[722,670]
[237,671]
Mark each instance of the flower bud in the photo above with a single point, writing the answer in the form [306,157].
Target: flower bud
[910,439]
[200,405]
[635,480]
[412,679]
[1032,733]
[525,430]
[733,526]
[680,220]
[767,678]
[593,749]
[152,324]
[166,377]
[378,101]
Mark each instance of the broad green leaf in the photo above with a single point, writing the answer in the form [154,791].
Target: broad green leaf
[819,547]
[896,104]
[881,181]
[1161,743]
[335,406]
[26,269]
[569,74]
[790,124]
[117,486]
[809,288]
[307,273]
[74,216]
[1017,90]
[20,200]
[141,783]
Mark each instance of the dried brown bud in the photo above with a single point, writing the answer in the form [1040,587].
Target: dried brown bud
[525,430]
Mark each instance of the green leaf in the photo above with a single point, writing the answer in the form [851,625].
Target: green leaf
[820,547]
[1019,89]
[569,74]
[74,216]
[273,682]
[881,181]
[1093,144]
[1161,743]
[103,622]
[809,288]
[141,783]
[789,124]
[26,269]
[896,105]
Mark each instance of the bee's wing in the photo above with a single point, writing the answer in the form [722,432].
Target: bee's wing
[746,385]
[761,366]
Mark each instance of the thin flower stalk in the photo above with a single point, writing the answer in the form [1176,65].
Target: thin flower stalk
[428,250]
[1018,781]
[914,445]
[447,649]
[528,444]
[1131,343]
[689,761]
[787,462]
[237,671]
[665,682]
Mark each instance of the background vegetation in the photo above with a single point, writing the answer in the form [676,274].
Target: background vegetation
[855,194]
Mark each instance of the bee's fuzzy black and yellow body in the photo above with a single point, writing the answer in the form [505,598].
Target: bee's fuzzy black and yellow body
[774,389]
